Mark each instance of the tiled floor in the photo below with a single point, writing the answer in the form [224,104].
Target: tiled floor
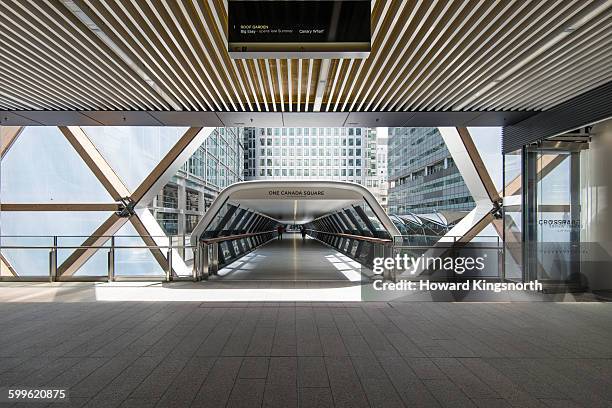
[421,354]
[293,258]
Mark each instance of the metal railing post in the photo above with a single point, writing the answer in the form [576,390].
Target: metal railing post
[196,262]
[53,261]
[111,260]
[183,248]
[204,260]
[501,254]
[169,270]
[213,267]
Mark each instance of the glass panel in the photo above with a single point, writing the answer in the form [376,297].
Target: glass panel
[554,218]
[42,166]
[488,141]
[553,215]
[26,228]
[134,261]
[97,264]
[133,151]
[513,223]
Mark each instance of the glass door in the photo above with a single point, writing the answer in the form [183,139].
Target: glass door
[552,213]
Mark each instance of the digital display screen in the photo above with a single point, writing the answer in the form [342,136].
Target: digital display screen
[299,26]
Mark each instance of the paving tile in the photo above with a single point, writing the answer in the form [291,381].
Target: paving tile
[217,387]
[277,354]
[448,394]
[344,382]
[247,393]
[312,372]
[185,386]
[315,398]
[254,367]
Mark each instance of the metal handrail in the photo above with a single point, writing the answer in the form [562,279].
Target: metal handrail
[234,237]
[87,236]
[206,260]
[97,247]
[450,246]
[355,237]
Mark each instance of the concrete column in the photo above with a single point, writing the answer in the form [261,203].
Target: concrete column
[182,205]
[596,208]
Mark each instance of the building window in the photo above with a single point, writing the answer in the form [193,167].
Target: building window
[169,197]
[168,222]
[191,220]
[192,200]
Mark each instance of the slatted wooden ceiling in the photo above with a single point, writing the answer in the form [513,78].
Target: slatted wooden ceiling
[426,55]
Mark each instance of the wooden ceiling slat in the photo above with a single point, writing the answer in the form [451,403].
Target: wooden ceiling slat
[405,77]
[141,23]
[49,47]
[171,35]
[40,88]
[523,99]
[249,76]
[25,65]
[449,64]
[103,53]
[128,45]
[512,53]
[545,67]
[495,37]
[426,55]
[582,77]
[308,87]
[219,50]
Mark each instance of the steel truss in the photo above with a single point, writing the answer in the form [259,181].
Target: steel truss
[129,206]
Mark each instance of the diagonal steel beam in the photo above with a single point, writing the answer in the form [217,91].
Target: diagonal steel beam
[478,164]
[110,181]
[5,267]
[139,221]
[8,135]
[142,195]
[98,238]
[480,184]
[545,165]
[169,165]
[95,161]
[478,180]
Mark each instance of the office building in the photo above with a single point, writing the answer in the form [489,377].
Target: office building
[423,177]
[216,164]
[377,177]
[343,154]
[307,153]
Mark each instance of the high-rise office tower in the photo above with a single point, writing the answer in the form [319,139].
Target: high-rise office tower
[423,177]
[344,154]
[307,153]
[377,177]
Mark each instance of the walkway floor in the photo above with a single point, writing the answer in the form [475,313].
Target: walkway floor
[133,354]
[293,259]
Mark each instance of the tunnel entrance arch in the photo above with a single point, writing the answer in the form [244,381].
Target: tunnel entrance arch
[246,215]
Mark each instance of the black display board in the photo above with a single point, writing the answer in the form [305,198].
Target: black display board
[286,28]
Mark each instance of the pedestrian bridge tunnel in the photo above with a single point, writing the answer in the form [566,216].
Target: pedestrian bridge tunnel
[247,215]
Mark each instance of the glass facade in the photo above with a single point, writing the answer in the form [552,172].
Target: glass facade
[423,177]
[69,183]
[216,164]
[557,227]
[307,153]
[357,155]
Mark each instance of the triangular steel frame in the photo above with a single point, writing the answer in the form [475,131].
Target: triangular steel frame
[137,214]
